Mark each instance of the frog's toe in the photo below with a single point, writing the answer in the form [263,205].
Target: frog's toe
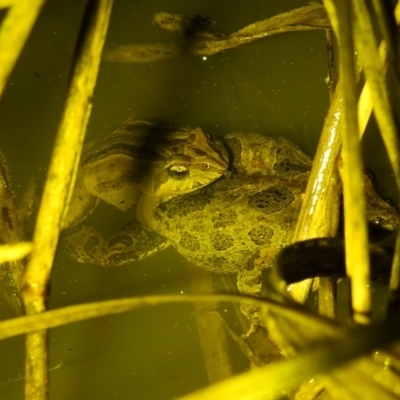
[84,244]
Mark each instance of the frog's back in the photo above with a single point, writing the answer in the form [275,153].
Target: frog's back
[222,226]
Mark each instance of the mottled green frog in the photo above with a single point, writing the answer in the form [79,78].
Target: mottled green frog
[232,222]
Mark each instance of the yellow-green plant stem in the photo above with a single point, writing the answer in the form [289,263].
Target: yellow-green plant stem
[210,326]
[320,175]
[16,251]
[394,284]
[356,236]
[14,32]
[273,381]
[308,363]
[301,19]
[7,3]
[81,312]
[319,212]
[367,48]
[59,181]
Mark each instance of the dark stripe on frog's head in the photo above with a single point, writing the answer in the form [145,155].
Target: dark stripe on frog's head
[144,141]
[140,140]
[130,150]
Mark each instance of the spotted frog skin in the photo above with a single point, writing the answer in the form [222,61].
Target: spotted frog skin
[237,224]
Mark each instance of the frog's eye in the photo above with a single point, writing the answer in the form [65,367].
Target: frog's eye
[178,172]
[378,220]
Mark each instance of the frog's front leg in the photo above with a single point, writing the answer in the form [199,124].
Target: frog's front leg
[87,245]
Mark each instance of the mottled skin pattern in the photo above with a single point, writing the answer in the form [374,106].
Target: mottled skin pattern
[136,167]
[241,220]
[236,224]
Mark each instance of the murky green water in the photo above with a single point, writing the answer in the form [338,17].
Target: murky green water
[275,85]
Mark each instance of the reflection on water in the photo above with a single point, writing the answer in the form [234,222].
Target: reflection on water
[275,85]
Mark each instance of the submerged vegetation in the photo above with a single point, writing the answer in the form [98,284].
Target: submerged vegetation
[325,357]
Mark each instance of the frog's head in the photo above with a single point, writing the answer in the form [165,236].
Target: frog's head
[154,159]
[192,160]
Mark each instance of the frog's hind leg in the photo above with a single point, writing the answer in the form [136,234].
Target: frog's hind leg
[87,245]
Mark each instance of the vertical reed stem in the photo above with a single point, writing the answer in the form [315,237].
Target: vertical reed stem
[64,161]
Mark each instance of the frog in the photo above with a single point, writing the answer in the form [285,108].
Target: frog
[144,162]
[240,223]
[237,223]
[256,160]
